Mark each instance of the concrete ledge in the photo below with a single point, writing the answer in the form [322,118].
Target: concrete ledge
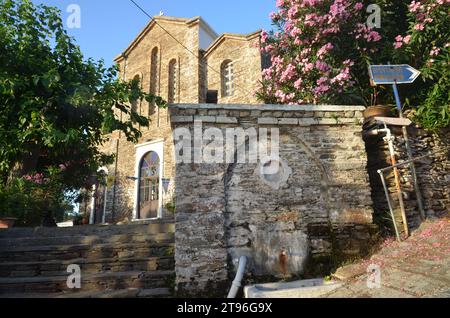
[282,108]
[312,288]
[304,122]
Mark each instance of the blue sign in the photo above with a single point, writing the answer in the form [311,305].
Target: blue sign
[393,74]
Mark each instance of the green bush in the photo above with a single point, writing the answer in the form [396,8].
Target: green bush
[426,46]
[16,202]
[31,198]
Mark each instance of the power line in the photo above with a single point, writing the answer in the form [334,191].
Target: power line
[184,46]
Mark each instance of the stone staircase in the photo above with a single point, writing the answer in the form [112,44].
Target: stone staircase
[116,261]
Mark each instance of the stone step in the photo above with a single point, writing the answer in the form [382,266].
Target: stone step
[85,251]
[59,268]
[5,243]
[121,293]
[160,226]
[89,283]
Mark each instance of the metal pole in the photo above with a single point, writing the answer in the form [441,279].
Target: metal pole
[414,160]
[390,139]
[412,166]
[388,197]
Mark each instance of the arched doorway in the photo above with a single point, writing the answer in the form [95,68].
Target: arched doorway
[99,203]
[149,186]
[99,198]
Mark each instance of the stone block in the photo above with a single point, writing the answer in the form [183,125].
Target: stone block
[226,120]
[268,121]
[288,121]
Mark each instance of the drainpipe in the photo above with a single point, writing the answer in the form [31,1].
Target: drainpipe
[237,283]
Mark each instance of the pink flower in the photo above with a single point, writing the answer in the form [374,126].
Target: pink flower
[419,27]
[273,15]
[373,36]
[288,73]
[414,6]
[359,6]
[280,3]
[435,51]
[322,66]
[293,11]
[295,31]
[324,49]
[298,83]
[348,63]
[407,39]
[322,81]
[308,67]
[321,89]
[342,77]
[399,41]
[264,36]
[398,45]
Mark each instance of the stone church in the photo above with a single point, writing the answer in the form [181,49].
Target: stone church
[315,209]
[183,61]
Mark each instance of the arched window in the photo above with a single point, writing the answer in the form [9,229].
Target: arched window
[153,78]
[135,104]
[149,175]
[173,81]
[227,78]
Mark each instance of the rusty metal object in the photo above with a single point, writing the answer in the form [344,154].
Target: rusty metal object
[283,258]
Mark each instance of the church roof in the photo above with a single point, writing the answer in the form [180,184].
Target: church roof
[203,24]
[233,36]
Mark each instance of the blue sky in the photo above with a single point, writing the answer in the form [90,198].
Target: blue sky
[107,27]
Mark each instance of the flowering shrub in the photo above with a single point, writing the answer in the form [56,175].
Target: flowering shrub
[319,54]
[33,197]
[426,46]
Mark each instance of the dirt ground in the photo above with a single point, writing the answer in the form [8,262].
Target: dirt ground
[417,267]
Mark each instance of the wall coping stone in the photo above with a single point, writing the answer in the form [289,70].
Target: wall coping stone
[304,122]
[282,108]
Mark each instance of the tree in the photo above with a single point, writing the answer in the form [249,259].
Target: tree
[55,106]
[426,46]
[322,49]
[320,53]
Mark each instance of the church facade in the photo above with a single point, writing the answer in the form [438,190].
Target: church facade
[185,62]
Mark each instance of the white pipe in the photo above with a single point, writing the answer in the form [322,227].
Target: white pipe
[239,276]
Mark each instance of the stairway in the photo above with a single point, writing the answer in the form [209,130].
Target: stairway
[116,261]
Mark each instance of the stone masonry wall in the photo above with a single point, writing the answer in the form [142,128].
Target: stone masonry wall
[316,207]
[138,60]
[245,54]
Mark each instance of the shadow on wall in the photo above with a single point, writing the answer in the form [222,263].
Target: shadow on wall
[306,217]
